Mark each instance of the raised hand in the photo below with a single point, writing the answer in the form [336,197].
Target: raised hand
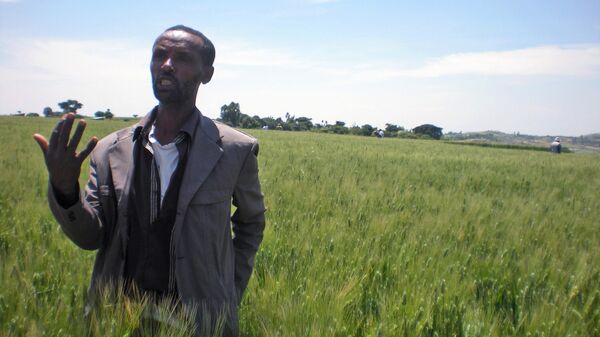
[62,162]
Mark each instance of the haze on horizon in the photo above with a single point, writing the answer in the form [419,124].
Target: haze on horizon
[531,67]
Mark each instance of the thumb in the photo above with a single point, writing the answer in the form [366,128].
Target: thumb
[42,142]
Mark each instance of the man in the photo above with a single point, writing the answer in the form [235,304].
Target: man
[158,200]
[555,147]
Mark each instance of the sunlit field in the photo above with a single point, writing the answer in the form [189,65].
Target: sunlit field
[364,237]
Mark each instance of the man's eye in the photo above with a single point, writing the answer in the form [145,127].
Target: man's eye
[157,55]
[184,57]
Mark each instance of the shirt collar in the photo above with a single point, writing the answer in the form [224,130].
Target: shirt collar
[144,126]
[189,127]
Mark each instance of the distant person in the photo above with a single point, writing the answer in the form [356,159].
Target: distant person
[157,205]
[379,133]
[555,147]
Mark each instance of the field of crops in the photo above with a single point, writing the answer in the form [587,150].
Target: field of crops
[365,237]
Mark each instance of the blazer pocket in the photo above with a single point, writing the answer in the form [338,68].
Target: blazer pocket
[208,197]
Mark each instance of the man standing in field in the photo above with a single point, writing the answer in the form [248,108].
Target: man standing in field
[158,200]
[555,147]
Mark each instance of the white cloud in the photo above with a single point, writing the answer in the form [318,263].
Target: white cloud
[74,60]
[546,60]
[269,81]
[574,60]
[239,54]
[101,74]
[114,73]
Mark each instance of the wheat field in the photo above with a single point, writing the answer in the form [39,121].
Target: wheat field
[364,237]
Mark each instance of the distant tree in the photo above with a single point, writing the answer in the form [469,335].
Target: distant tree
[32,114]
[281,125]
[411,135]
[70,105]
[135,116]
[303,124]
[429,130]
[248,122]
[47,112]
[340,128]
[355,130]
[260,121]
[366,130]
[99,114]
[231,114]
[108,114]
[391,128]
[270,122]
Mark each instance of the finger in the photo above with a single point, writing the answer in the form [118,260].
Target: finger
[77,136]
[66,130]
[90,146]
[55,133]
[42,142]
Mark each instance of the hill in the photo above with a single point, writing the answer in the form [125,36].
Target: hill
[584,143]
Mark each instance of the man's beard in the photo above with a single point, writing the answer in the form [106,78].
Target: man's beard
[179,93]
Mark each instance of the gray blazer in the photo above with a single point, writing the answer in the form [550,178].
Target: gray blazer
[212,268]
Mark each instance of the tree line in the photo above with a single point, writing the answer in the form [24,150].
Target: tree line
[68,106]
[232,116]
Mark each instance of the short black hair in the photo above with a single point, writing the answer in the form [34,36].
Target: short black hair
[207,51]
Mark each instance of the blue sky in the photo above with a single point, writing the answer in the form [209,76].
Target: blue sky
[526,66]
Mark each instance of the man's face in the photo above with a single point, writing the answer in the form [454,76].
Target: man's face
[177,68]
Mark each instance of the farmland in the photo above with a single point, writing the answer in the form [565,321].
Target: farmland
[364,237]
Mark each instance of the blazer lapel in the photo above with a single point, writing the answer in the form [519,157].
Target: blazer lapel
[121,166]
[202,158]
[120,158]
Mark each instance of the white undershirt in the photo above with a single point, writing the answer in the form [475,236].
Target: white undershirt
[166,158]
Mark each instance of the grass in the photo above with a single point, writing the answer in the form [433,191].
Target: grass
[365,237]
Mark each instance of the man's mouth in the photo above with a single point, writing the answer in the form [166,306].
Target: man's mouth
[165,83]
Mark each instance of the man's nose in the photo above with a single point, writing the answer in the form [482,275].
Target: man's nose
[167,66]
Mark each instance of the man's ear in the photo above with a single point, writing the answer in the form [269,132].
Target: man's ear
[207,74]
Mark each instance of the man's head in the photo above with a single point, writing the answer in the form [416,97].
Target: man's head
[182,59]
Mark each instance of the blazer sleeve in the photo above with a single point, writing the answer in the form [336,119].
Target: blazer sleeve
[248,220]
[81,221]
